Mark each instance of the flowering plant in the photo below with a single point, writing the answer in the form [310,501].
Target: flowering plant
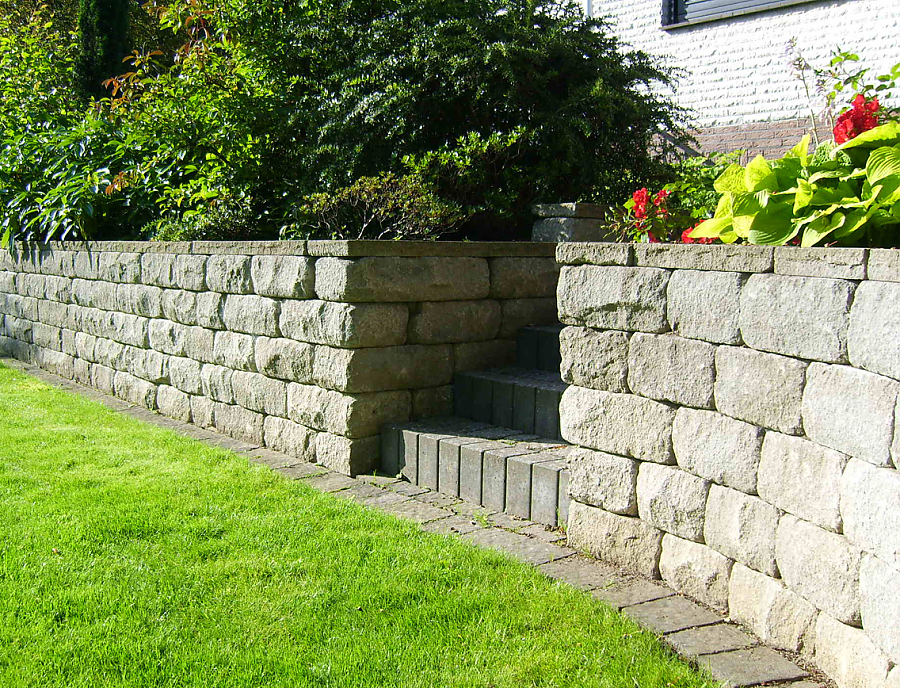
[859,118]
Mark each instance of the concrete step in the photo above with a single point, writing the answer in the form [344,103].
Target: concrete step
[524,400]
[537,347]
[498,468]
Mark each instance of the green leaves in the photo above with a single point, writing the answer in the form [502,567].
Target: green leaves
[759,176]
[883,162]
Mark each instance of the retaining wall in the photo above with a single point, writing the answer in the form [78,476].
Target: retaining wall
[736,414]
[304,347]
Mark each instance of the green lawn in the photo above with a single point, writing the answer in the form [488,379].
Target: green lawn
[130,556]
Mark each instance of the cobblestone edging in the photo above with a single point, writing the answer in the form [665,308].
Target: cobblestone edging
[693,631]
[305,347]
[738,435]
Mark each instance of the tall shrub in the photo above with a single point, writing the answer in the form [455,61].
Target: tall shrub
[103,41]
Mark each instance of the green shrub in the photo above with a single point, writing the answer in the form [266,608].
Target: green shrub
[103,41]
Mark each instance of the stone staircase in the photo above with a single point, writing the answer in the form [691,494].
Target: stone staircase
[502,449]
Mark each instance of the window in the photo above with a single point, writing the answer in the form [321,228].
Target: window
[678,12]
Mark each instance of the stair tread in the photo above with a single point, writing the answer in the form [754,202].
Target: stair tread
[463,428]
[528,377]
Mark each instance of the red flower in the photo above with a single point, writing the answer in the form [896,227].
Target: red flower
[687,239]
[861,117]
[640,197]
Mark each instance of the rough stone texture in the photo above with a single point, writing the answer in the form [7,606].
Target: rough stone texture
[94,294]
[563,229]
[519,313]
[46,336]
[620,540]
[139,300]
[289,437]
[742,528]
[837,263]
[260,393]
[670,368]
[696,570]
[893,680]
[615,298]
[803,478]
[870,506]
[522,278]
[251,315]
[880,605]
[284,359]
[598,360]
[875,328]
[148,365]
[158,269]
[402,279]
[670,614]
[217,384]
[184,374]
[718,448]
[387,368]
[239,423]
[603,480]
[229,274]
[592,253]
[173,403]
[354,416]
[763,389]
[203,412]
[189,272]
[820,566]
[705,305]
[883,264]
[345,325]
[797,316]
[592,210]
[617,423]
[722,257]
[167,337]
[672,500]
[752,667]
[288,277]
[779,617]
[851,410]
[709,639]
[434,401]
[209,310]
[119,267]
[234,350]
[438,322]
[134,390]
[848,656]
[347,456]
[179,306]
[497,353]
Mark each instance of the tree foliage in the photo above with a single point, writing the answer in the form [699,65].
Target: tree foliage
[103,32]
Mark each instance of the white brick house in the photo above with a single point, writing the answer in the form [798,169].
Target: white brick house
[738,81]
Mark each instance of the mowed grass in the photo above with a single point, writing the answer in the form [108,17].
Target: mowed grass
[130,556]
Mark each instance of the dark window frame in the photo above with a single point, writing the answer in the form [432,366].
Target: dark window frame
[673,13]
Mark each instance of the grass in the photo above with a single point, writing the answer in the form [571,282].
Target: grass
[130,556]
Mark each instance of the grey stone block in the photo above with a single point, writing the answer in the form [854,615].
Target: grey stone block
[167,337]
[704,640]
[780,618]
[158,269]
[797,316]
[751,667]
[68,342]
[229,274]
[722,257]
[110,354]
[433,401]
[148,365]
[482,398]
[130,329]
[883,264]
[210,306]
[189,272]
[134,390]
[173,403]
[84,346]
[351,415]
[402,279]
[742,528]
[496,353]
[53,313]
[345,325]
[672,500]
[696,570]
[217,383]
[471,470]
[439,322]
[139,299]
[564,229]
[234,350]
[592,253]
[821,567]
[119,267]
[670,368]
[7,282]
[705,305]
[494,475]
[546,495]
[622,424]
[384,368]
[239,423]
[598,360]
[870,506]
[288,277]
[429,459]
[525,549]
[260,393]
[203,412]
[520,278]
[621,540]
[57,288]
[94,294]
[251,315]
[838,263]
[519,482]
[880,605]
[875,328]
[850,410]
[81,368]
[619,594]
[179,306]
[523,408]
[284,359]
[604,480]
[408,454]
[46,336]
[290,438]
[670,614]
[848,655]
[519,313]
[616,298]
[763,389]
[546,412]
[718,448]
[86,264]
[31,285]
[390,449]
[803,479]
[347,456]
[185,374]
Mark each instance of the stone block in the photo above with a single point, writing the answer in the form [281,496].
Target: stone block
[179,306]
[547,494]
[883,264]
[519,482]
[705,305]
[620,540]
[286,277]
[440,322]
[82,369]
[7,282]
[494,474]
[345,325]
[103,378]
[880,605]
[804,317]
[290,438]
[433,401]
[622,424]
[31,285]
[519,313]
[119,267]
[148,365]
[284,359]
[670,368]
[851,411]
[53,313]
[173,403]
[200,344]
[139,299]
[779,617]
[86,264]
[351,415]
[234,350]
[68,342]
[110,354]
[251,315]
[742,528]
[672,500]
[696,570]
[522,278]
[185,374]
[837,263]
[46,336]
[803,478]
[870,506]
[58,262]
[94,294]
[598,360]
[347,456]
[55,362]
[718,448]
[203,412]
[497,353]
[893,680]
[217,383]
[134,390]
[189,272]
[84,346]
[239,423]
[229,274]
[402,279]
[209,310]
[763,389]
[614,298]
[721,257]
[168,337]
[260,393]
[821,567]
[593,253]
[130,329]
[848,655]
[384,368]
[57,288]
[565,229]
[603,480]
[875,328]
[158,269]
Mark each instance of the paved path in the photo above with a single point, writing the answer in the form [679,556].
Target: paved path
[698,634]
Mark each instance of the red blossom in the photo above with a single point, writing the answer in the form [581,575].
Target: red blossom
[688,239]
[640,197]
[861,117]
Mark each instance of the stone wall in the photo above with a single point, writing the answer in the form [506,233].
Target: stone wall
[735,410]
[304,347]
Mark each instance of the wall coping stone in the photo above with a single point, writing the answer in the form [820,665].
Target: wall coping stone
[838,263]
[884,264]
[590,210]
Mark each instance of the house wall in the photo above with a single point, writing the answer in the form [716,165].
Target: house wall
[307,348]
[737,70]
[736,412]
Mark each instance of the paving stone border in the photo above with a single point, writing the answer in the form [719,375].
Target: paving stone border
[699,635]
